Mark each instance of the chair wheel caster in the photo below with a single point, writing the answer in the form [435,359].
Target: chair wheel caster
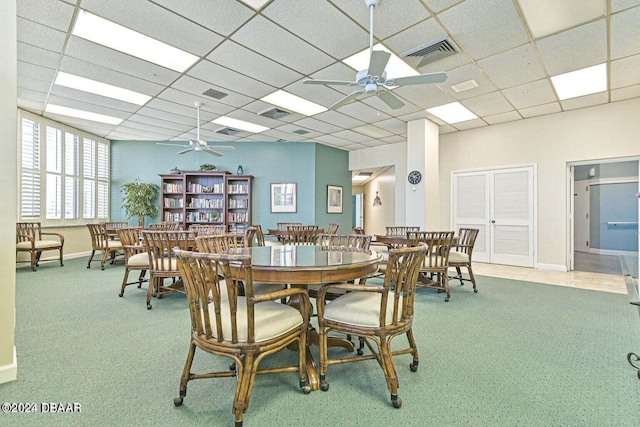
[149,306]
[360,352]
[306,389]
[446,299]
[177,401]
[120,294]
[413,366]
[475,291]
[324,386]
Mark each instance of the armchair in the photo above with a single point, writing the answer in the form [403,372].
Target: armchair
[29,239]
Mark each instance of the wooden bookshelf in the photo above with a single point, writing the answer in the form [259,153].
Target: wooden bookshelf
[212,198]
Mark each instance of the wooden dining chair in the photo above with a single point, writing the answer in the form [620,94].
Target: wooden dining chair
[433,273]
[162,264]
[101,241]
[356,241]
[259,235]
[376,314]
[460,255]
[205,229]
[245,328]
[29,238]
[249,236]
[400,230]
[333,228]
[227,243]
[135,256]
[301,235]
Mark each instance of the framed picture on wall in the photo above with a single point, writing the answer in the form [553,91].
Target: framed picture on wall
[283,198]
[334,199]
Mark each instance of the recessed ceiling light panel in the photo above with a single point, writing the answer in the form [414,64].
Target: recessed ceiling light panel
[396,67]
[115,36]
[81,114]
[452,113]
[294,103]
[99,88]
[581,82]
[239,124]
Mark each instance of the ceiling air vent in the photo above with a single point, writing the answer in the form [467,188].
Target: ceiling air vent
[301,132]
[430,52]
[273,112]
[215,94]
[227,131]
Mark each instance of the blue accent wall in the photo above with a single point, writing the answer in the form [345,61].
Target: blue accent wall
[311,166]
[611,203]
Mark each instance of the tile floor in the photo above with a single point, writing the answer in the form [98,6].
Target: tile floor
[576,279]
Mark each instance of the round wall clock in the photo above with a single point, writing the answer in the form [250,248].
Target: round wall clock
[414,177]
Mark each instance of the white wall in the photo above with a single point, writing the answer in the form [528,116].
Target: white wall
[376,218]
[551,142]
[601,132]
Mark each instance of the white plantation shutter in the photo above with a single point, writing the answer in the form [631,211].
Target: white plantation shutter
[30,169]
[63,177]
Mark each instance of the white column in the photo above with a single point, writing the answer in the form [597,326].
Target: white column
[422,199]
[8,132]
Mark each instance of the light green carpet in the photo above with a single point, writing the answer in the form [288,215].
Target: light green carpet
[515,354]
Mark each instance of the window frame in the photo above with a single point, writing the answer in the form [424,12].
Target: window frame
[101,179]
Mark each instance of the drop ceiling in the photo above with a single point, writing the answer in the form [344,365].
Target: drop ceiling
[505,46]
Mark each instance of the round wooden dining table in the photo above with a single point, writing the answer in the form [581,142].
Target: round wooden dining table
[303,265]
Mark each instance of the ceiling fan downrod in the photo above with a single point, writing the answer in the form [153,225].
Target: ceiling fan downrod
[198,104]
[371,4]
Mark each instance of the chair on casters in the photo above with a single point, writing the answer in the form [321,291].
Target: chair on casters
[375,314]
[460,255]
[245,329]
[29,239]
[135,256]
[433,273]
[332,228]
[101,241]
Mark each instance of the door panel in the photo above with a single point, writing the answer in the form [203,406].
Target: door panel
[499,203]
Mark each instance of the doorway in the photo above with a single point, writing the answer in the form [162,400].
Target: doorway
[604,214]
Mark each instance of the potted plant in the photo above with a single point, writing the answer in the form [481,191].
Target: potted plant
[140,200]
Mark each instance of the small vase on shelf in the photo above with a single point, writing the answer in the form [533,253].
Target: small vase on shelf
[240,170]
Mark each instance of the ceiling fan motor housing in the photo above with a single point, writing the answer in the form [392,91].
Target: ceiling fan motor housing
[363,78]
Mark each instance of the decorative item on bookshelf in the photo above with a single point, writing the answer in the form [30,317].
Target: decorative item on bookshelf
[240,170]
[208,167]
[176,171]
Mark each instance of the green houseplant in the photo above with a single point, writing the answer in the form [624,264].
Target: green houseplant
[140,200]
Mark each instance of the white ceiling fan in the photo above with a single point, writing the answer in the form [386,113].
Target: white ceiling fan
[198,144]
[373,80]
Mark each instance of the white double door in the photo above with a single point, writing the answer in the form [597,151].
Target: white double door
[501,204]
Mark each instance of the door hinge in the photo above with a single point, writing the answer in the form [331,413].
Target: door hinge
[587,243]
[587,215]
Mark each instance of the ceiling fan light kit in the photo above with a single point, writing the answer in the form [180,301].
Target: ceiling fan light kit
[373,80]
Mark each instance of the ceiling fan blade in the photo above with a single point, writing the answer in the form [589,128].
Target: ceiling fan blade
[188,150]
[329,82]
[378,62]
[347,99]
[417,80]
[213,152]
[172,145]
[390,99]
[222,147]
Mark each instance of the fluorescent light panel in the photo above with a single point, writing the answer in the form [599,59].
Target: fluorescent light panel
[452,113]
[99,88]
[362,176]
[581,82]
[396,67]
[294,103]
[114,36]
[81,114]
[255,4]
[239,124]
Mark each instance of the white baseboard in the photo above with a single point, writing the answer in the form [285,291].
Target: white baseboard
[552,267]
[25,263]
[9,372]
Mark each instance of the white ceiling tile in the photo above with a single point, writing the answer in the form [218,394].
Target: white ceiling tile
[392,125]
[488,104]
[195,89]
[185,110]
[546,17]
[158,23]
[363,112]
[585,101]
[317,125]
[54,14]
[625,93]
[425,96]
[470,124]
[35,55]
[625,37]
[33,84]
[90,98]
[625,72]
[35,72]
[541,110]
[513,67]
[439,5]
[208,13]
[30,105]
[618,5]
[79,104]
[111,59]
[270,40]
[510,116]
[238,58]
[223,77]
[31,96]
[394,139]
[32,33]
[464,74]
[340,39]
[485,27]
[377,104]
[161,123]
[530,94]
[351,136]
[373,131]
[575,49]
[175,119]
